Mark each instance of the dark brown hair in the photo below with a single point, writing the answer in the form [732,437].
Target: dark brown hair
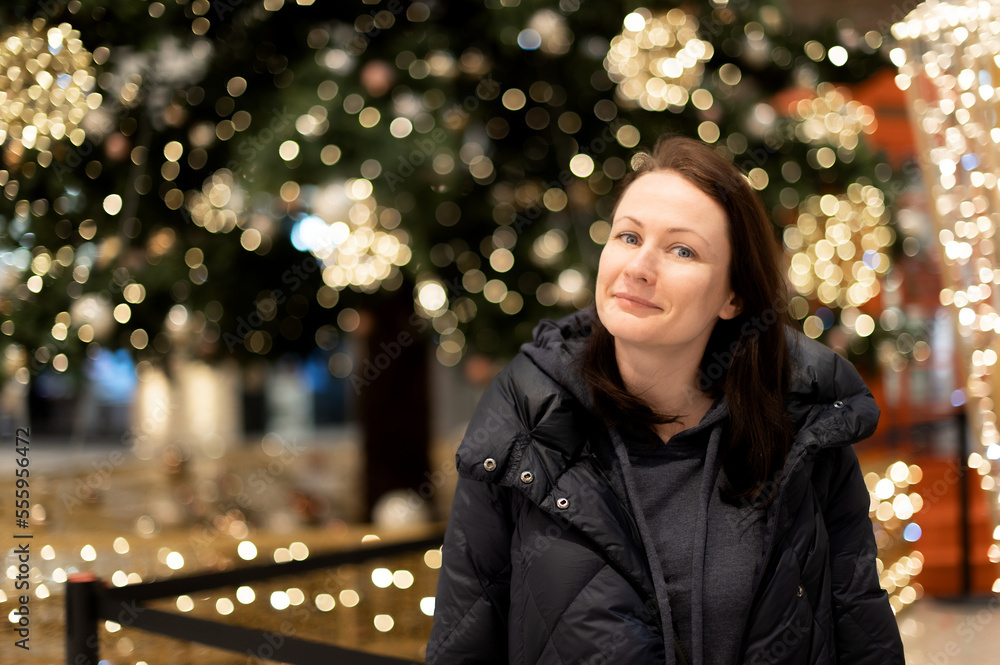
[747,357]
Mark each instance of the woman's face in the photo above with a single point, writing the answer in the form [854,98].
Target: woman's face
[663,278]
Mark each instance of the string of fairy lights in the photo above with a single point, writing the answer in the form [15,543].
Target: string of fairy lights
[47,89]
[945,56]
[658,60]
[893,503]
[838,243]
[840,249]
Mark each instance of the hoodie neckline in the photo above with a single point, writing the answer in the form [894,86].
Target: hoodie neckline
[688,442]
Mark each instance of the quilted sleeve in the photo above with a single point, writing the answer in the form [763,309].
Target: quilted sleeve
[473,592]
[864,625]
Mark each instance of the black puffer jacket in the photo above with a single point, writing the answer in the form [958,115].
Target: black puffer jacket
[543,562]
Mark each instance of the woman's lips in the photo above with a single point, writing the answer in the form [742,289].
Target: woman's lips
[635,301]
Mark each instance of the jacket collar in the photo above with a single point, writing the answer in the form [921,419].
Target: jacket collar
[537,417]
[828,401]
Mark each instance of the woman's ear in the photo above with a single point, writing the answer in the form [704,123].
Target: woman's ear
[732,308]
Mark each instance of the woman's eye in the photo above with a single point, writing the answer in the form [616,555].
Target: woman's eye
[628,238]
[684,252]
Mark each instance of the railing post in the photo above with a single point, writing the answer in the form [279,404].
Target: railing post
[82,647]
[963,503]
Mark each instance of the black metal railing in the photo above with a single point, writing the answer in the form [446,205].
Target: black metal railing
[88,602]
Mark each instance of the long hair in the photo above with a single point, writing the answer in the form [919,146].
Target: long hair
[747,357]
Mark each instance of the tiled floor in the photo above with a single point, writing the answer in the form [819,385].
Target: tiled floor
[946,633]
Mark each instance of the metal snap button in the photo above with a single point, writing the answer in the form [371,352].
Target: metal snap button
[838,404]
[562,502]
[527,477]
[489,464]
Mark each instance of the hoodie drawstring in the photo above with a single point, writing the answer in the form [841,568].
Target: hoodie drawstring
[700,547]
[672,649]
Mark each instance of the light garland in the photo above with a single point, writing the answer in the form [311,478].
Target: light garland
[357,241]
[831,118]
[47,86]
[947,68]
[657,60]
[220,205]
[892,506]
[838,245]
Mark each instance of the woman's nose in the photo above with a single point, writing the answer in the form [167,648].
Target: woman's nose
[640,265]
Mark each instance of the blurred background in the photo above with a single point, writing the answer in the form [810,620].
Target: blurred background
[259,260]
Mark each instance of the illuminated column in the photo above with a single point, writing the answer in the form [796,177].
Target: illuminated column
[948,67]
[152,410]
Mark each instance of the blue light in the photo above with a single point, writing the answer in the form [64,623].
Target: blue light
[912,532]
[826,316]
[958,397]
[529,39]
[985,78]
[970,161]
[871,259]
[993,451]
[310,234]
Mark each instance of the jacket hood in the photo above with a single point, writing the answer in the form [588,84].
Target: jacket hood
[556,348]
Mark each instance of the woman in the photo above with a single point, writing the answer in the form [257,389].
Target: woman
[668,477]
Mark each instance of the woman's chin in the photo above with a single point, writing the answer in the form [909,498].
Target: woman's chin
[631,332]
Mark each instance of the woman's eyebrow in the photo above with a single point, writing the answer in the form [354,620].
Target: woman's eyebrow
[672,229]
[637,222]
